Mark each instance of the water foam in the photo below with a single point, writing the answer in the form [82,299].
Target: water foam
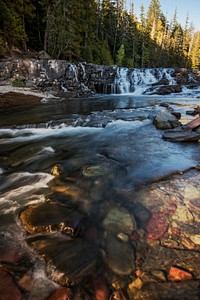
[137,81]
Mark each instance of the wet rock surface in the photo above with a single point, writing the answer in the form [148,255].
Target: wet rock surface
[194,112]
[187,133]
[11,100]
[82,79]
[119,256]
[165,90]
[61,294]
[8,289]
[91,219]
[181,134]
[68,261]
[49,217]
[161,260]
[172,236]
[175,291]
[166,120]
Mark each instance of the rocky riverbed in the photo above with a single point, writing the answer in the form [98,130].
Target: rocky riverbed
[94,203]
[150,254]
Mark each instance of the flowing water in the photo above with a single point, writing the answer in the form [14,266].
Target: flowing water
[103,147]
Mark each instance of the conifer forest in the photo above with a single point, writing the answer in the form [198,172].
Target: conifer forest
[100,32]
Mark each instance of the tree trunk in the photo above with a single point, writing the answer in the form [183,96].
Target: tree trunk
[47,28]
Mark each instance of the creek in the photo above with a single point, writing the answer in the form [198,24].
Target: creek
[103,148]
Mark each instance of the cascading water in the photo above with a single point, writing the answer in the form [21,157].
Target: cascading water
[138,81]
[122,82]
[72,72]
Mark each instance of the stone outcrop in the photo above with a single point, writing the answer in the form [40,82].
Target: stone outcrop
[60,75]
[187,133]
[87,78]
[167,89]
[166,120]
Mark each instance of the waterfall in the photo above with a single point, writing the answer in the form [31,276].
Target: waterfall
[84,76]
[72,72]
[138,81]
[122,82]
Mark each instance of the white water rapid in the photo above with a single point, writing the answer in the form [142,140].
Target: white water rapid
[134,81]
[138,81]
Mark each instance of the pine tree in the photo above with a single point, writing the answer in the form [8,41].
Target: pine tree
[195,51]
[154,18]
[12,19]
[120,56]
[187,37]
[62,38]
[99,31]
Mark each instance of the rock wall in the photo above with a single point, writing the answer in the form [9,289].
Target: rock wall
[60,75]
[86,79]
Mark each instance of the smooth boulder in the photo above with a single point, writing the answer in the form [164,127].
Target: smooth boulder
[166,120]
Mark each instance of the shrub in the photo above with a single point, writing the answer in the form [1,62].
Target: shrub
[18,83]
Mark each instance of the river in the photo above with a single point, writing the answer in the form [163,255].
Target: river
[87,154]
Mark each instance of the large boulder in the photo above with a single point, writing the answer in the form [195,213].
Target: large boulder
[166,120]
[168,89]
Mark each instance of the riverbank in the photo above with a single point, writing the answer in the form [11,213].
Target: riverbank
[13,96]
[85,79]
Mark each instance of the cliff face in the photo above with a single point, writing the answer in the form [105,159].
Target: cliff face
[87,79]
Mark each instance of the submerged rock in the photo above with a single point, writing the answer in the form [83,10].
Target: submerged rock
[109,168]
[141,214]
[96,170]
[61,294]
[68,261]
[101,290]
[169,290]
[119,220]
[177,274]
[157,226]
[8,289]
[119,256]
[48,217]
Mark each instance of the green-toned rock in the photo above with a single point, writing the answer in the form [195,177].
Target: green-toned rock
[119,256]
[118,220]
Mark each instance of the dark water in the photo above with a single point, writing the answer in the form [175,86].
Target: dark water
[103,148]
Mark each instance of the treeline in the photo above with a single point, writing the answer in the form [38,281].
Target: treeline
[102,32]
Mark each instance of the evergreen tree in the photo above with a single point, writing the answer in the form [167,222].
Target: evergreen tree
[12,19]
[99,31]
[195,51]
[120,56]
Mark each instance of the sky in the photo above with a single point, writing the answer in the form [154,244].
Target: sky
[192,7]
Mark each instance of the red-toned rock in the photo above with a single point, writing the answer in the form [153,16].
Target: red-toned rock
[176,274]
[170,210]
[13,99]
[175,231]
[119,295]
[8,289]
[91,233]
[26,282]
[134,236]
[61,294]
[10,255]
[157,226]
[100,288]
